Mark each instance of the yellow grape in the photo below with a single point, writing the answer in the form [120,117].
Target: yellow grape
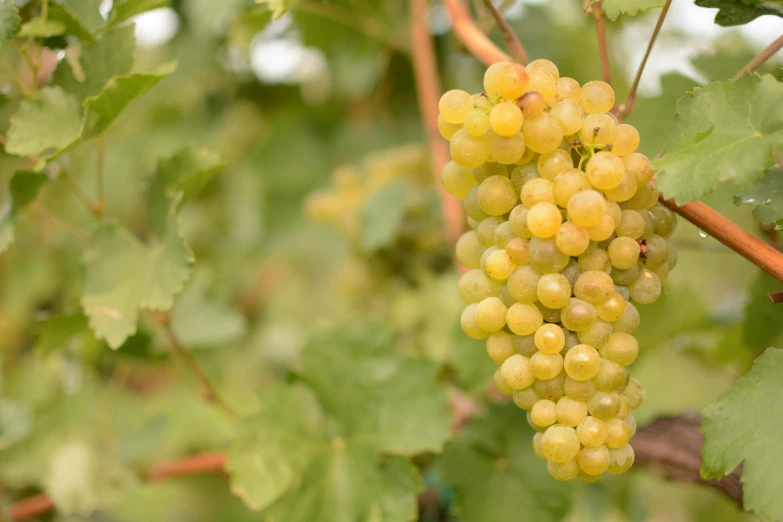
[620,460]
[543,82]
[475,285]
[597,96]
[586,208]
[570,115]
[496,195]
[544,65]
[447,129]
[491,314]
[506,80]
[571,239]
[542,134]
[517,372]
[598,130]
[627,140]
[568,183]
[625,190]
[500,346]
[639,165]
[570,412]
[560,443]
[499,266]
[468,151]
[554,291]
[526,398]
[594,461]
[563,471]
[469,325]
[505,119]
[457,180]
[568,89]
[477,122]
[605,170]
[546,366]
[535,191]
[581,362]
[517,250]
[524,319]
[506,150]
[603,230]
[469,250]
[544,219]
[532,104]
[454,105]
[543,413]
[549,338]
[553,163]
[592,432]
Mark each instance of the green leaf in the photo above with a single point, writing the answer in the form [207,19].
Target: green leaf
[23,190]
[15,422]
[44,125]
[744,425]
[200,320]
[278,7]
[123,10]
[762,317]
[614,8]
[738,12]
[81,18]
[9,19]
[767,196]
[61,331]
[38,28]
[287,463]
[124,275]
[382,215]
[723,133]
[496,475]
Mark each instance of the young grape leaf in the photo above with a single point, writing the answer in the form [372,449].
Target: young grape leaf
[762,325]
[44,125]
[496,475]
[38,28]
[722,133]
[23,189]
[81,18]
[63,331]
[741,426]
[123,10]
[382,215]
[738,12]
[279,7]
[9,19]
[767,196]
[288,462]
[124,275]
[614,8]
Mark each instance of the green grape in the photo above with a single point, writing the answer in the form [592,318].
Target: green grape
[516,248]
[551,389]
[594,461]
[496,195]
[629,322]
[447,129]
[627,140]
[524,319]
[641,199]
[469,250]
[570,412]
[629,421]
[521,174]
[631,224]
[646,289]
[578,315]
[649,223]
[550,315]
[568,89]
[488,170]
[563,471]
[500,346]
[551,164]
[517,372]
[671,259]
[485,231]
[535,191]
[626,277]
[610,376]
[549,339]
[537,444]
[527,157]
[581,362]
[505,119]
[570,115]
[620,460]
[593,287]
[501,385]
[542,134]
[518,221]
[506,296]
[622,349]
[592,432]
[525,345]
[665,220]
[457,180]
[597,259]
[475,286]
[625,410]
[506,150]
[623,252]
[488,252]
[525,399]
[571,272]
[662,272]
[614,211]
[597,96]
[588,479]
[572,239]
[597,335]
[544,220]
[553,290]
[472,208]
[532,104]
[634,392]
[540,429]
[578,390]
[624,191]
[468,151]
[477,122]
[638,165]
[544,65]
[499,266]
[605,170]
[469,325]
[618,433]
[503,236]
[545,256]
[559,443]
[491,314]
[546,366]
[454,105]
[523,284]
[612,309]
[603,405]
[543,82]
[624,292]
[603,230]
[598,130]
[543,413]
[586,208]
[656,252]
[506,80]
[568,183]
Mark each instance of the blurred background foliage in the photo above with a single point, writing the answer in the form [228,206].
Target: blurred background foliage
[326,218]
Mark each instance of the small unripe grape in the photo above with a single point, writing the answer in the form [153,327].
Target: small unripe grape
[623,252]
[500,346]
[491,314]
[542,82]
[665,221]
[447,129]
[532,104]
[550,315]
[572,239]
[597,96]
[469,325]
[542,134]
[568,183]
[605,170]
[641,199]
[475,286]
[468,151]
[517,372]
[501,385]
[570,412]
[521,174]
[593,287]
[551,389]
[578,390]
[631,224]
[545,257]
[598,130]
[506,150]
[578,315]
[505,296]
[568,89]
[524,319]
[592,432]
[543,413]
[544,219]
[649,223]
[525,345]
[553,163]
[454,105]
[553,290]
[596,259]
[634,392]
[625,190]
[525,399]
[646,289]
[523,284]
[489,169]
[544,65]
[610,376]
[586,208]
[560,443]
[612,309]
[620,460]
[485,231]
[629,322]
[563,471]
[505,119]
[506,80]
[499,266]
[518,220]
[571,272]
[469,250]
[570,115]
[538,190]
[627,140]
[503,235]
[581,362]
[657,251]
[549,339]
[597,335]
[594,461]
[496,195]
[638,165]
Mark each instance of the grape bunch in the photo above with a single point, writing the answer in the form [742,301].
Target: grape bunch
[566,234]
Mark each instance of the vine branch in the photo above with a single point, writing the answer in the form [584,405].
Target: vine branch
[760,58]
[597,12]
[72,229]
[512,42]
[471,36]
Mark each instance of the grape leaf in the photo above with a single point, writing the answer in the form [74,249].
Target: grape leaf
[614,8]
[497,476]
[44,125]
[767,196]
[124,275]
[382,215]
[81,18]
[762,325]
[278,7]
[741,425]
[38,28]
[287,463]
[60,331]
[722,133]
[123,10]
[738,12]
[9,19]
[23,189]
[15,421]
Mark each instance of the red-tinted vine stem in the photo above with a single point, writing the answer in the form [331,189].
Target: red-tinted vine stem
[510,37]
[472,37]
